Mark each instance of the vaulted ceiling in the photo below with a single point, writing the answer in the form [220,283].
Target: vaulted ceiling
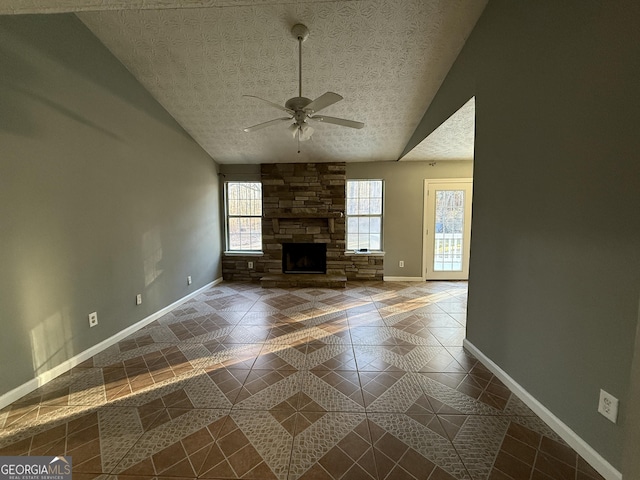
[387,58]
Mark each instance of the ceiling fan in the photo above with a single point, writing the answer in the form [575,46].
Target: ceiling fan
[302,109]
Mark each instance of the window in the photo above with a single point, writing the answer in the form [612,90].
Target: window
[244,216]
[364,214]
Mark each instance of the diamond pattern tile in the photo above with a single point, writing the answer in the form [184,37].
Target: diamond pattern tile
[267,389]
[330,357]
[369,382]
[175,448]
[331,390]
[237,355]
[333,445]
[402,444]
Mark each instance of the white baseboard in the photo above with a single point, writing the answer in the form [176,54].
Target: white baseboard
[28,387]
[587,452]
[403,279]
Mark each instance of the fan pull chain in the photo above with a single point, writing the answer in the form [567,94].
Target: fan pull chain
[298,140]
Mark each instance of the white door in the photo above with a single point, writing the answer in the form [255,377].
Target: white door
[447,229]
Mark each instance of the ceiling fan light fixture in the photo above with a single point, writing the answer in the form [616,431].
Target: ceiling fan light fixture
[302,108]
[305,132]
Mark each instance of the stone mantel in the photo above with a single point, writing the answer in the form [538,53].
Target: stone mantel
[329,216]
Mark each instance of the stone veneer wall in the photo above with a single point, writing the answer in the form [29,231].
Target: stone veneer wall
[295,194]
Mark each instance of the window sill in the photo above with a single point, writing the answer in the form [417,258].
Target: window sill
[240,253]
[376,253]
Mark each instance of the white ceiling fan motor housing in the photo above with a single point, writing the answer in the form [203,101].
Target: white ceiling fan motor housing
[300,32]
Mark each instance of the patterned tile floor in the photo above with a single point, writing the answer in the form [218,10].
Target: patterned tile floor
[367,382]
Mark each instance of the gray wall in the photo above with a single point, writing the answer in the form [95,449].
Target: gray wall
[102,196]
[555,250]
[404,206]
[631,461]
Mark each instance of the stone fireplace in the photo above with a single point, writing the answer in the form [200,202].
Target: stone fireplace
[303,203]
[303,217]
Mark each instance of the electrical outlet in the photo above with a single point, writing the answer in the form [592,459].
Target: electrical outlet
[250,265]
[189,280]
[93,319]
[401,263]
[139,299]
[608,406]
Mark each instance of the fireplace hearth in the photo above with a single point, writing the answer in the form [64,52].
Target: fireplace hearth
[304,258]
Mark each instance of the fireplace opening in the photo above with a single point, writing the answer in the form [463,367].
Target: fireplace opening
[304,258]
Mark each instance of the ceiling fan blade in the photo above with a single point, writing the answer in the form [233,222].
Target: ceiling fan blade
[323,101]
[275,105]
[267,124]
[337,121]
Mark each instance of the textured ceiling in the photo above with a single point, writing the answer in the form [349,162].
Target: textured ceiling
[387,58]
[453,140]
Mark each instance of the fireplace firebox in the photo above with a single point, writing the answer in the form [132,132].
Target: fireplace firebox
[304,258]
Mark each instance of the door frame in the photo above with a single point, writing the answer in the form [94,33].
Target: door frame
[425,212]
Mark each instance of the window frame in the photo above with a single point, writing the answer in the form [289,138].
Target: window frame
[227,216]
[380,215]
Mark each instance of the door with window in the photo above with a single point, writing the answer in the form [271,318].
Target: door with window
[447,229]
